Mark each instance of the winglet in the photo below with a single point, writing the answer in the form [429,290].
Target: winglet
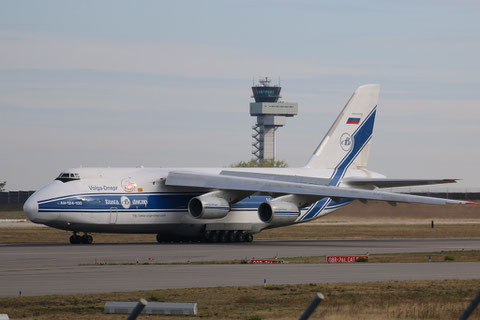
[451,180]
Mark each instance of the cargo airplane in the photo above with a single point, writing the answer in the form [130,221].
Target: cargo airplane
[226,204]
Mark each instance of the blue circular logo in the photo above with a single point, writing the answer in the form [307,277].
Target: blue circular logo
[346,142]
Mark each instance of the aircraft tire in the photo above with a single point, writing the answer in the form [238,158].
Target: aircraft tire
[249,237]
[206,237]
[89,239]
[74,239]
[241,235]
[213,237]
[222,237]
[232,236]
[85,239]
[160,239]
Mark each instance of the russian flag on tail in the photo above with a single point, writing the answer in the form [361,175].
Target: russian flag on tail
[354,118]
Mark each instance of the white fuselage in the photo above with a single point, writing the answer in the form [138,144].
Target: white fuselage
[136,200]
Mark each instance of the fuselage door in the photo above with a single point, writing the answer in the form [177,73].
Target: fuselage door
[113,215]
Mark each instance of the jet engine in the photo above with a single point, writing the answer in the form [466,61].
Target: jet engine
[208,207]
[278,213]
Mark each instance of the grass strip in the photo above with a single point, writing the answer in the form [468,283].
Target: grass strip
[443,299]
[414,257]
[12,214]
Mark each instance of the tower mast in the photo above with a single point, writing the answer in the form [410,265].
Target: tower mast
[271,114]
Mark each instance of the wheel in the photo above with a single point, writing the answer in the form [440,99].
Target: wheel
[74,239]
[232,236]
[206,237]
[213,237]
[160,239]
[222,237]
[249,237]
[86,239]
[241,236]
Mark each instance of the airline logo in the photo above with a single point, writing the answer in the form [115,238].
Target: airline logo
[128,185]
[354,118]
[126,203]
[346,142]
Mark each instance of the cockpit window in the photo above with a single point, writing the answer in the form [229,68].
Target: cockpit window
[68,176]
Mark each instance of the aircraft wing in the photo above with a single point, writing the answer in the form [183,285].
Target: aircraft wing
[392,183]
[226,182]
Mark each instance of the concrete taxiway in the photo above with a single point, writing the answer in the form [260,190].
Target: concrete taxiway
[38,269]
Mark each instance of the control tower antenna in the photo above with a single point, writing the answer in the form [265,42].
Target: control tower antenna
[271,115]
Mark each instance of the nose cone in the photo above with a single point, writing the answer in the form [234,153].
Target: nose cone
[31,208]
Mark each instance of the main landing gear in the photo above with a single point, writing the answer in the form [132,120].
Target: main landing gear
[85,239]
[228,236]
[217,236]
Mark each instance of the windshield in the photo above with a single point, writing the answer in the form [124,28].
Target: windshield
[68,176]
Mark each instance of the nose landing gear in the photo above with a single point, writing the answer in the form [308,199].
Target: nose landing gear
[85,239]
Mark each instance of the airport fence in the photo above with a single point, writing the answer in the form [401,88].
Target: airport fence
[14,196]
[14,200]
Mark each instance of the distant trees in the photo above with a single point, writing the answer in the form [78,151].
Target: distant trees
[2,186]
[254,163]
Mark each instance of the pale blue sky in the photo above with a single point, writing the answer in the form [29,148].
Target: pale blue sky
[167,83]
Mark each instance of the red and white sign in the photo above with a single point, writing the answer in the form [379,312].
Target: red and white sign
[344,259]
[265,261]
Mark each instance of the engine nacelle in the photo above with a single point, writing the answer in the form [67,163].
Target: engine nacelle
[278,213]
[208,207]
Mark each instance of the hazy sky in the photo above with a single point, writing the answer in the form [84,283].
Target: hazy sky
[167,83]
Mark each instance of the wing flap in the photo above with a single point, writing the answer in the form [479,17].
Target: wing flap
[392,183]
[277,177]
[225,182]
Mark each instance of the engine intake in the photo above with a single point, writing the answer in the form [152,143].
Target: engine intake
[208,207]
[278,213]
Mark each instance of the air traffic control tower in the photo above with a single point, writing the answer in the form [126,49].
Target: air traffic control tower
[271,115]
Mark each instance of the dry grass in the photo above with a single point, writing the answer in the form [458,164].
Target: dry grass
[374,231]
[445,299]
[457,256]
[12,215]
[411,257]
